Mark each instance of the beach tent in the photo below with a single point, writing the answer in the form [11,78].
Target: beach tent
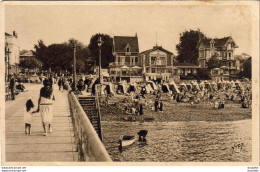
[133,87]
[238,83]
[183,86]
[148,88]
[109,88]
[122,87]
[214,85]
[153,85]
[189,86]
[202,85]
[207,85]
[165,88]
[195,85]
[220,85]
[173,87]
[233,84]
[103,87]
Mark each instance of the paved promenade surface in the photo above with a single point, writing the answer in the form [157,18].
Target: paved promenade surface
[56,146]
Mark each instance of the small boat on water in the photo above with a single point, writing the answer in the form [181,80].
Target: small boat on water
[126,141]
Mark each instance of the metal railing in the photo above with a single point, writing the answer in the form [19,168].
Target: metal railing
[90,146]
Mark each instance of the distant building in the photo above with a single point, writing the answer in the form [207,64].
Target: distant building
[185,69]
[127,63]
[157,64]
[13,57]
[223,49]
[26,55]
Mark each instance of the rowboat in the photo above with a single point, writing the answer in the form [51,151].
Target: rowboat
[126,141]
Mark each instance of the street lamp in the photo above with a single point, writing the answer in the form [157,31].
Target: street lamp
[100,42]
[74,65]
[8,64]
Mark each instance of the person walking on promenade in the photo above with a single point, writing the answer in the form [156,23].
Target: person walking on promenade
[51,80]
[28,116]
[61,83]
[12,87]
[45,106]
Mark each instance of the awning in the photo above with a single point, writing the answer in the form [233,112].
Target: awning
[124,67]
[136,67]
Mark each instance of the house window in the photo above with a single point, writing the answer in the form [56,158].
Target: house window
[136,60]
[127,60]
[153,70]
[229,54]
[153,60]
[127,49]
[229,47]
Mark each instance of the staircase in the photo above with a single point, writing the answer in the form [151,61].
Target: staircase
[90,106]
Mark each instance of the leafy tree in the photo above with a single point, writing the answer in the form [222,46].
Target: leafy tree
[247,66]
[106,49]
[187,47]
[40,53]
[213,62]
[30,63]
[59,57]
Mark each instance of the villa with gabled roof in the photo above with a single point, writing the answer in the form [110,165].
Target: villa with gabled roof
[222,48]
[127,64]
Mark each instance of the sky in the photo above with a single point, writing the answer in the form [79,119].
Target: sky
[59,23]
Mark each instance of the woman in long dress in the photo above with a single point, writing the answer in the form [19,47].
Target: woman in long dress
[45,106]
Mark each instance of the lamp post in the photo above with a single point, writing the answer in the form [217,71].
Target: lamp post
[100,42]
[74,65]
[8,64]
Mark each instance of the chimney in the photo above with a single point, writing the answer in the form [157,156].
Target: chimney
[135,34]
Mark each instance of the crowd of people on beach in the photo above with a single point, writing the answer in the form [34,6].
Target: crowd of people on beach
[209,92]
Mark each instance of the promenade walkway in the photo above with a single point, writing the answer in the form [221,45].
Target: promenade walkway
[58,146]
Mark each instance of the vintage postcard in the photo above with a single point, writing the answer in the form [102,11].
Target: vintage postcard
[130,83]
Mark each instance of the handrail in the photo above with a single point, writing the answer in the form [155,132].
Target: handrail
[90,146]
[97,91]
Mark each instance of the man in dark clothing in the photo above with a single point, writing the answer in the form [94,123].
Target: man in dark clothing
[12,87]
[61,83]
[156,103]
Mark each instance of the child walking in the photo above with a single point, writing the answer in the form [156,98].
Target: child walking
[28,118]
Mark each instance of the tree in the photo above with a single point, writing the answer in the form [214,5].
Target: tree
[187,48]
[59,57]
[30,63]
[40,53]
[106,49]
[247,66]
[213,62]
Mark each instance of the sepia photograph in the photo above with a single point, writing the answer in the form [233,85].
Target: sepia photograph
[130,83]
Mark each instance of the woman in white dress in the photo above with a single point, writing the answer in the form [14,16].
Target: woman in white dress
[45,106]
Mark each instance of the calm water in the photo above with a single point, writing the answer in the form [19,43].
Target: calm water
[181,141]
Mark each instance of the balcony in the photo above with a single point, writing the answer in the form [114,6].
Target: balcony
[124,64]
[127,73]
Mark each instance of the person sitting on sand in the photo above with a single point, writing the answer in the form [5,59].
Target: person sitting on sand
[222,104]
[216,105]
